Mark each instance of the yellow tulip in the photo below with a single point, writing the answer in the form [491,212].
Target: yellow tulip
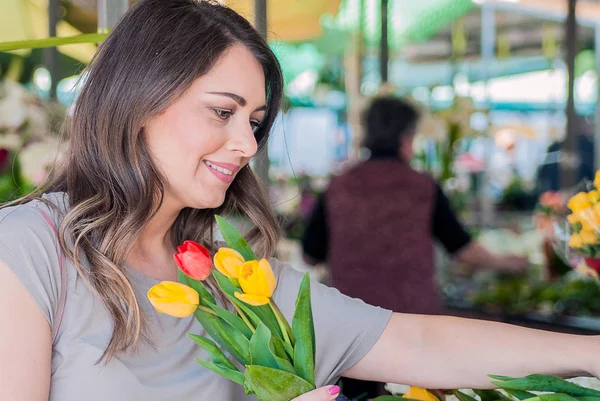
[257,281]
[588,237]
[579,202]
[593,196]
[597,180]
[174,298]
[420,394]
[575,241]
[229,261]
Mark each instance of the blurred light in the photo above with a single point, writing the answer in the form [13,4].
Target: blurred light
[42,79]
[304,83]
[421,94]
[461,84]
[442,93]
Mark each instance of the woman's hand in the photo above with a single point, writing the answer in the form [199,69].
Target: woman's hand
[328,393]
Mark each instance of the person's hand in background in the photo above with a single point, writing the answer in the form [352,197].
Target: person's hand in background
[477,256]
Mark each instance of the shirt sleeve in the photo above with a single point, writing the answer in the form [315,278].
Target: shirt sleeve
[29,247]
[345,328]
[315,240]
[446,227]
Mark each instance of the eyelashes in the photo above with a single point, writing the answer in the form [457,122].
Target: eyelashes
[225,115]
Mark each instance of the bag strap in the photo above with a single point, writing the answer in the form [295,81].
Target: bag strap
[60,307]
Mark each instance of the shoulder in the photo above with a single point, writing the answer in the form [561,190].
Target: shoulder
[29,247]
[36,216]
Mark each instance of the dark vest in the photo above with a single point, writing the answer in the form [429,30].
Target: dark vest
[379,216]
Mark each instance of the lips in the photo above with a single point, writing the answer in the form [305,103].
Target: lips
[223,171]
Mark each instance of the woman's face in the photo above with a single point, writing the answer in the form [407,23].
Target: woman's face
[203,139]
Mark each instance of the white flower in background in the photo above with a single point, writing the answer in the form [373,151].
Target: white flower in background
[12,108]
[11,141]
[431,126]
[38,157]
[39,124]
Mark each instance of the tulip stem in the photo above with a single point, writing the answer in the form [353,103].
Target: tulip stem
[207,310]
[288,337]
[244,317]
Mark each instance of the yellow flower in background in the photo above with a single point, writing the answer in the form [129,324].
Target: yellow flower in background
[229,262]
[257,281]
[420,394]
[575,241]
[174,298]
[588,237]
[597,180]
[579,202]
[594,196]
[589,219]
[573,219]
[596,209]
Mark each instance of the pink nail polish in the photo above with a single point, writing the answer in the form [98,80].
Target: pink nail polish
[333,390]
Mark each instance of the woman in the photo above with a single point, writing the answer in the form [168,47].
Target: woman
[176,102]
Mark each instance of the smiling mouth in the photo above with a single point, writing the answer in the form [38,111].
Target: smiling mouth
[218,168]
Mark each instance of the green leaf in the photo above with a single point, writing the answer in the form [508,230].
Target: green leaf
[522,395]
[206,298]
[225,335]
[304,333]
[547,383]
[256,314]
[233,375]
[503,378]
[274,385]
[555,397]
[388,398]
[52,42]
[490,395]
[233,320]
[234,239]
[214,352]
[462,396]
[262,351]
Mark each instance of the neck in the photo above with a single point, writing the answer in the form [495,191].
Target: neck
[152,254]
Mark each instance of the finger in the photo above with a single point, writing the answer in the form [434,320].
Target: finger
[327,393]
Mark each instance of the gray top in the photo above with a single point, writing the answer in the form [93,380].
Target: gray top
[346,328]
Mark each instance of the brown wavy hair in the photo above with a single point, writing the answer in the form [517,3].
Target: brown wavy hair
[146,63]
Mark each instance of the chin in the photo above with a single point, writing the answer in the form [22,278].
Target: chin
[208,203]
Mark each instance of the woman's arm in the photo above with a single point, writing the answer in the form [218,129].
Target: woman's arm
[25,343]
[447,352]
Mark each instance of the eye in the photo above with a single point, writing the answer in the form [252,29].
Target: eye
[255,124]
[223,114]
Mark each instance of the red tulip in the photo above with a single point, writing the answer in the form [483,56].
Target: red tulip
[194,260]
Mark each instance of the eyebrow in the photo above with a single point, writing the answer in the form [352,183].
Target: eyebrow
[238,99]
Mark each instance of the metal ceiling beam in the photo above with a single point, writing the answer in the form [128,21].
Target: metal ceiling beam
[589,17]
[570,157]
[261,160]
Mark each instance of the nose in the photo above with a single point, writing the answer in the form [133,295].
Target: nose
[243,140]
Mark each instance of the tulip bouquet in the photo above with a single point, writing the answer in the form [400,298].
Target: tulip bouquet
[529,388]
[278,359]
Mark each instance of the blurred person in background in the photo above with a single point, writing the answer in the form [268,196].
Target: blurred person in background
[380,219]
